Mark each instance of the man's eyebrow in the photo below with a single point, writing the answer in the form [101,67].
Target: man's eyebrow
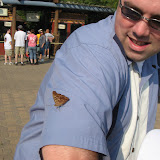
[128,4]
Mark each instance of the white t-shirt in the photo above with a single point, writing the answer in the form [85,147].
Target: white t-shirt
[48,35]
[20,37]
[137,129]
[7,40]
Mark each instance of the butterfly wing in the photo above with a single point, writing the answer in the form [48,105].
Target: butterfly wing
[59,99]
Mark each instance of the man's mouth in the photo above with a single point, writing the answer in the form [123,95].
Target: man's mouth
[139,43]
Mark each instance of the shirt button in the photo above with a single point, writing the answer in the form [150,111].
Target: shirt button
[132,149]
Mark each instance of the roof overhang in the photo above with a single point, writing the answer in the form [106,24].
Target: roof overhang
[59,5]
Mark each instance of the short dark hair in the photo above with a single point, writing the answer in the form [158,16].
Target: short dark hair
[6,30]
[32,31]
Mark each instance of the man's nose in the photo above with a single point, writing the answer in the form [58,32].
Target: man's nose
[141,29]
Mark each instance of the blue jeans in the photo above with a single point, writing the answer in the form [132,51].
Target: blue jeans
[32,52]
[42,50]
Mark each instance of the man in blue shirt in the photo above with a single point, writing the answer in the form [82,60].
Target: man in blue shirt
[99,98]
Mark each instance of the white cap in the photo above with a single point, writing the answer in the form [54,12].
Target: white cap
[39,30]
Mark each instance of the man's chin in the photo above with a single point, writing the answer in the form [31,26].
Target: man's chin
[136,57]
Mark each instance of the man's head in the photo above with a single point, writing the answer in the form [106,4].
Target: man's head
[32,31]
[28,32]
[139,37]
[20,27]
[8,30]
[41,32]
[47,30]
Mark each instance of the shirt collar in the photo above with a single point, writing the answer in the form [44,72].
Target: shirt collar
[152,61]
[129,61]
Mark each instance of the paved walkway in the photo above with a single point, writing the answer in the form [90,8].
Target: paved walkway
[18,88]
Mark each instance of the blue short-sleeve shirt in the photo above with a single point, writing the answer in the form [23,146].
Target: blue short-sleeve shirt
[92,71]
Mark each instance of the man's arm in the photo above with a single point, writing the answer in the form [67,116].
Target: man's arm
[11,44]
[58,152]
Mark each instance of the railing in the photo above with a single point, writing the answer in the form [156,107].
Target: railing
[56,43]
[56,47]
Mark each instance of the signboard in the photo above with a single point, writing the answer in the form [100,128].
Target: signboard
[4,12]
[32,17]
[7,24]
[61,26]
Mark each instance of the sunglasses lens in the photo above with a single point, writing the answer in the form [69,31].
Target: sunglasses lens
[130,14]
[154,24]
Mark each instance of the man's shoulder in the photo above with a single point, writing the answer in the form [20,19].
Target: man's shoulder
[48,34]
[20,33]
[96,39]
[6,35]
[99,33]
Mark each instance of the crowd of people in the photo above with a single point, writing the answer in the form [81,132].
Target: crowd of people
[28,44]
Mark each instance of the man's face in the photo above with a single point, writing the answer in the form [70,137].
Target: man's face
[9,31]
[140,41]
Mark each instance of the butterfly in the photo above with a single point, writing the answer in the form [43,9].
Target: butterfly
[59,99]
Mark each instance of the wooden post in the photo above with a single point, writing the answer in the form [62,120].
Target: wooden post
[13,28]
[56,22]
[68,29]
[56,28]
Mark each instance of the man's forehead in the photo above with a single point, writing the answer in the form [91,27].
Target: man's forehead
[142,2]
[151,7]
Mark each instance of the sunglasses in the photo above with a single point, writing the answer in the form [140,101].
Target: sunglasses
[134,15]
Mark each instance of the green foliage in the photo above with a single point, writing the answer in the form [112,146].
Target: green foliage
[22,14]
[105,3]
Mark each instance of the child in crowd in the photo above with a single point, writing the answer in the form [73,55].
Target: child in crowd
[8,47]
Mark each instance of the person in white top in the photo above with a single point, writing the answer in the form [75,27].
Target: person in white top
[49,38]
[8,47]
[20,38]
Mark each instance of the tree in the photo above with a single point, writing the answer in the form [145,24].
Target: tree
[104,3]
